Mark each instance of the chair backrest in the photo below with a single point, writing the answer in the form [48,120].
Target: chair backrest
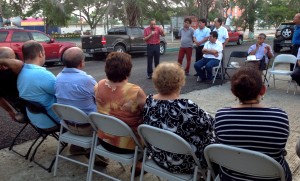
[70,113]
[243,161]
[112,125]
[37,108]
[285,58]
[165,140]
[238,54]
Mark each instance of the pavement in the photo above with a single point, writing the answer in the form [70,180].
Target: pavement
[16,168]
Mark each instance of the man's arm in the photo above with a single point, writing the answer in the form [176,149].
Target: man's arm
[225,43]
[147,36]
[12,64]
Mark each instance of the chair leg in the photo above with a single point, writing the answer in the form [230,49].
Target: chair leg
[134,163]
[144,159]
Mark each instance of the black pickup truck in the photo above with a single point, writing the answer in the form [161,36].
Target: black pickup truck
[120,39]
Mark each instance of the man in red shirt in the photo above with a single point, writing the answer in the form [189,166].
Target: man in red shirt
[152,38]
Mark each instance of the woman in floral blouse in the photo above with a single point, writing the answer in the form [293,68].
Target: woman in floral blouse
[167,111]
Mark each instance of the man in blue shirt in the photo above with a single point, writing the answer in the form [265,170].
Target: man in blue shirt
[35,83]
[74,87]
[296,37]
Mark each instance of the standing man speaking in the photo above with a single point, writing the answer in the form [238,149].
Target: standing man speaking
[152,38]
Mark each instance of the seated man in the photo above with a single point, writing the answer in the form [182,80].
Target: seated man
[9,70]
[35,83]
[212,55]
[262,51]
[296,74]
[74,87]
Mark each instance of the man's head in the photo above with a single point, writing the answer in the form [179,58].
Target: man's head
[218,22]
[261,38]
[187,22]
[33,52]
[296,19]
[73,58]
[202,23]
[6,52]
[213,36]
[152,24]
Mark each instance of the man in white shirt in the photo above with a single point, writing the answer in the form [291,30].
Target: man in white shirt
[222,32]
[212,56]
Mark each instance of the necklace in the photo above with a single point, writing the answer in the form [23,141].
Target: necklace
[250,103]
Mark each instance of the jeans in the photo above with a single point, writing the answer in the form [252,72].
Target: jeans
[208,64]
[152,52]
[188,52]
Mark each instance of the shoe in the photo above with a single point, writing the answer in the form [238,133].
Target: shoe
[200,80]
[99,160]
[77,150]
[149,77]
[196,74]
[208,82]
[187,74]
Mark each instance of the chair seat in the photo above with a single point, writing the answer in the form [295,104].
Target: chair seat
[280,72]
[124,158]
[151,167]
[82,141]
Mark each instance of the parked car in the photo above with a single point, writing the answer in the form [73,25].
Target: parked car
[119,39]
[283,36]
[15,38]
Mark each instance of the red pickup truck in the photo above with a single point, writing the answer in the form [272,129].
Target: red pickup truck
[15,38]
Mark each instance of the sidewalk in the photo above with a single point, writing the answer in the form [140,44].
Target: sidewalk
[16,168]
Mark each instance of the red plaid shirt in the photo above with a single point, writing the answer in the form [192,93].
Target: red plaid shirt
[154,39]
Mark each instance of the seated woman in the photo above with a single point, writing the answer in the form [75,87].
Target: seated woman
[167,111]
[118,98]
[251,125]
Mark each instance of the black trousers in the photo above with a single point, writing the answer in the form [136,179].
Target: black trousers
[294,52]
[152,52]
[199,54]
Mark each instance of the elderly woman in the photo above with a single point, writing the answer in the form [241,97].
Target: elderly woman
[250,124]
[117,97]
[167,111]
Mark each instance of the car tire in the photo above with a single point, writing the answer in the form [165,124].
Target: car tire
[162,48]
[276,48]
[119,48]
[240,41]
[286,33]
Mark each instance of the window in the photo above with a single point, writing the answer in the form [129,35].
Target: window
[3,36]
[40,37]
[136,32]
[20,37]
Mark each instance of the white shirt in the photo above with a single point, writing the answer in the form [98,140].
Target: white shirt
[298,55]
[222,34]
[216,46]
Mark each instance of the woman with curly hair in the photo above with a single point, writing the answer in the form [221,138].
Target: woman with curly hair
[167,111]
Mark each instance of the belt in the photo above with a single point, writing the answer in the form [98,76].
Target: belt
[78,125]
[153,44]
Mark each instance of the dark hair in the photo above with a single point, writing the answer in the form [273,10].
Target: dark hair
[118,66]
[31,50]
[188,19]
[214,34]
[203,20]
[72,59]
[246,83]
[219,20]
[264,35]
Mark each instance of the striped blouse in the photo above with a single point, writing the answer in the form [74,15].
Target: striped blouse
[265,130]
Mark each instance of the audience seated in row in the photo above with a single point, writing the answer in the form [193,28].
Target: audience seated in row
[117,97]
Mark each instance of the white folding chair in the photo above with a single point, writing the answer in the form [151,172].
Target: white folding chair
[284,60]
[170,142]
[114,126]
[243,161]
[70,113]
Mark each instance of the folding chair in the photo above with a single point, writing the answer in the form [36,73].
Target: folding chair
[243,161]
[236,56]
[283,60]
[216,72]
[22,119]
[114,126]
[170,142]
[66,112]
[36,108]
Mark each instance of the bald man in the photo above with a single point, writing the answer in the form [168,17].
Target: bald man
[74,87]
[9,70]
